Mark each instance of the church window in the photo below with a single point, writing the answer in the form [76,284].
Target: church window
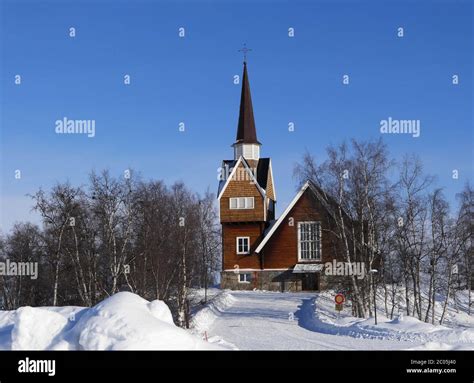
[309,241]
[241,203]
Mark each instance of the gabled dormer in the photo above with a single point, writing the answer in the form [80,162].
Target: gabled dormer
[241,198]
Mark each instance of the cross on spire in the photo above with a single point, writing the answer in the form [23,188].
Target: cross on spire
[245,50]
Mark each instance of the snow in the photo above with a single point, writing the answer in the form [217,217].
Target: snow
[258,320]
[204,318]
[246,320]
[29,324]
[123,321]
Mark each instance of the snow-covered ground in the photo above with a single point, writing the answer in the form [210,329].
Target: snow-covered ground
[257,320]
[252,320]
[124,321]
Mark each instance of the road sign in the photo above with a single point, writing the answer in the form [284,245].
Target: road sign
[339,299]
[339,306]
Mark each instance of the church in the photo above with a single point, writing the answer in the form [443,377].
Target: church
[258,250]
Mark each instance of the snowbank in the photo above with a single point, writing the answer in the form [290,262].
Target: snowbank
[28,332]
[124,321]
[409,329]
[205,317]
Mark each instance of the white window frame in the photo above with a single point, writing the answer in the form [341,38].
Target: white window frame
[237,245]
[246,280]
[318,246]
[242,203]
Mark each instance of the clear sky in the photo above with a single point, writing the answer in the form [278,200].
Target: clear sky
[293,79]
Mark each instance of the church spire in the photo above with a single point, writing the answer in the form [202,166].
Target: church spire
[246,132]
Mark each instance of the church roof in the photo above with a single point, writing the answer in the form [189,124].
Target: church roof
[263,167]
[246,132]
[327,201]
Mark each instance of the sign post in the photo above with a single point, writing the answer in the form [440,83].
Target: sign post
[339,299]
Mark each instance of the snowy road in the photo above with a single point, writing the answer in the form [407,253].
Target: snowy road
[284,321]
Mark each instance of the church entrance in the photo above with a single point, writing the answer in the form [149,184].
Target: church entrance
[310,282]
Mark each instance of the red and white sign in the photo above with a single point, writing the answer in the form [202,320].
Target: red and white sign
[339,299]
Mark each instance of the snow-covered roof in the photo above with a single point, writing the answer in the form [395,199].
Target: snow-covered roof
[307,268]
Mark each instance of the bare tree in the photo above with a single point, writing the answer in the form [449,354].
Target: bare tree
[23,244]
[209,240]
[438,247]
[412,234]
[466,235]
[58,210]
[113,209]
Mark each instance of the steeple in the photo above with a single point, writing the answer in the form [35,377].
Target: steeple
[246,132]
[246,143]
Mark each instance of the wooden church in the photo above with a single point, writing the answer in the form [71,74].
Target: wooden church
[259,251]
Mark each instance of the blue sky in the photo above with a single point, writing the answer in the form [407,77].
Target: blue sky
[190,80]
